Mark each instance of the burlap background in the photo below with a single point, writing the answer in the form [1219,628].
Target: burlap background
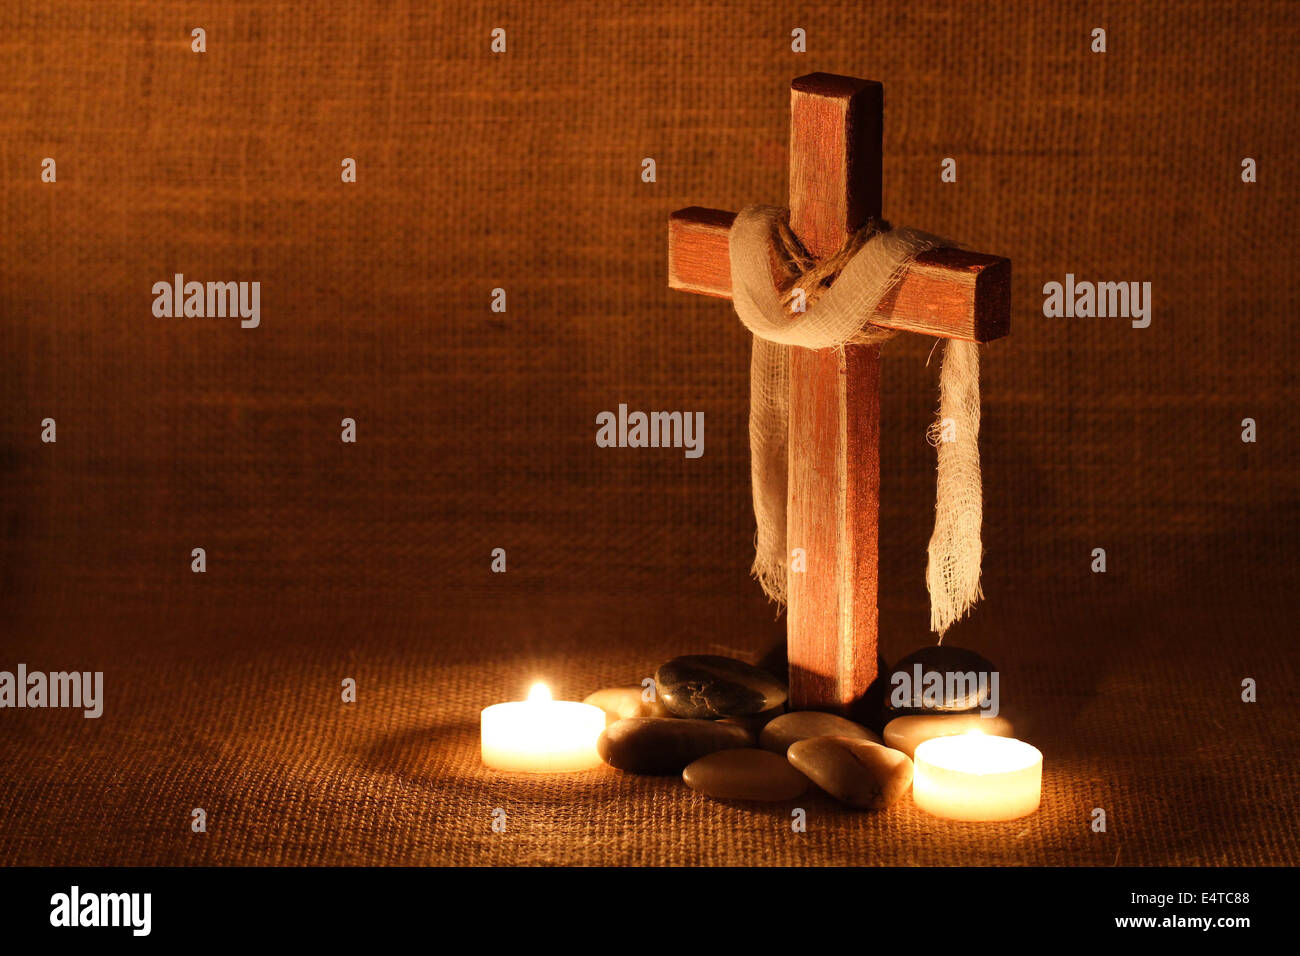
[476,430]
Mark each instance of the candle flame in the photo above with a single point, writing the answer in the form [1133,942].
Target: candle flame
[539,693]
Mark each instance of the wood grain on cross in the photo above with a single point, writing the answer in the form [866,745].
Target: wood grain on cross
[834,443]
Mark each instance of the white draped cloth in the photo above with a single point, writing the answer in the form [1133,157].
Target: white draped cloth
[840,314]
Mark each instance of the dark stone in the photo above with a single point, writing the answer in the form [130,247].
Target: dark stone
[943,660]
[708,686]
[755,723]
[661,745]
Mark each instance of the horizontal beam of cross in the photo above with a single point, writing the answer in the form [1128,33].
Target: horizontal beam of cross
[949,293]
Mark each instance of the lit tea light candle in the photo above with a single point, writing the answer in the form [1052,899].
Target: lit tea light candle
[974,776]
[541,735]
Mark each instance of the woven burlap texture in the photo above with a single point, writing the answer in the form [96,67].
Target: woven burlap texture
[476,429]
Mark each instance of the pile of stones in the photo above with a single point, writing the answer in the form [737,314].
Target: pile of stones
[722,724]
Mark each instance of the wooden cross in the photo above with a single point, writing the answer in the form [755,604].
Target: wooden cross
[834,444]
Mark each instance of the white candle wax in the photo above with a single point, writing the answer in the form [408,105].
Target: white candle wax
[974,776]
[540,735]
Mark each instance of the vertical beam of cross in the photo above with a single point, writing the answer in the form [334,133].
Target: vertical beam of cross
[834,443]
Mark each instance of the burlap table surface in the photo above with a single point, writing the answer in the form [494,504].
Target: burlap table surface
[476,429]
